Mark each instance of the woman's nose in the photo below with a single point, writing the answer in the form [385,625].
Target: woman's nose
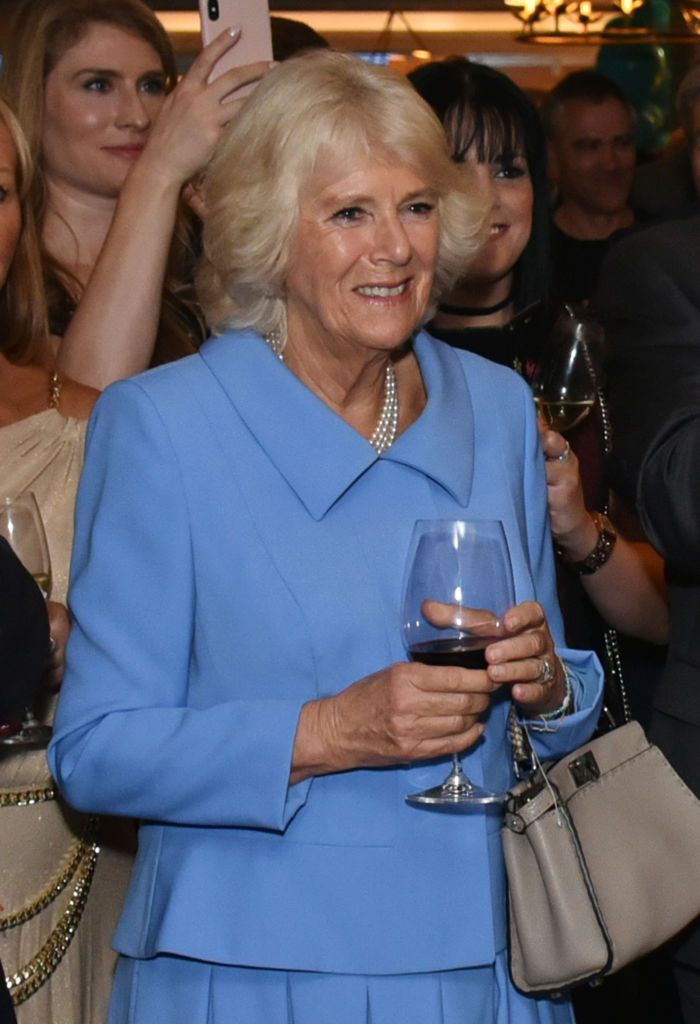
[391,241]
[133,112]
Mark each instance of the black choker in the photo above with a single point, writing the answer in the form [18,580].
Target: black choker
[475,310]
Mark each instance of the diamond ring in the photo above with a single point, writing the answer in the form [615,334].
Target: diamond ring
[547,671]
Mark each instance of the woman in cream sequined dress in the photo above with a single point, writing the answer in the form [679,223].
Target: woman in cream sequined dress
[62,874]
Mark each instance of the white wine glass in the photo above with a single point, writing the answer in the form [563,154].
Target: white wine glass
[566,382]
[464,565]
[22,526]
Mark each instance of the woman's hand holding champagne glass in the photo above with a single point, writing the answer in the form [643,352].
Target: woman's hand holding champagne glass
[566,383]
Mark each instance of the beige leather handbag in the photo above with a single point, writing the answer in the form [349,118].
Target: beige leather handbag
[602,853]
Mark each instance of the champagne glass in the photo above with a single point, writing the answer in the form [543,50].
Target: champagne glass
[466,566]
[22,527]
[567,379]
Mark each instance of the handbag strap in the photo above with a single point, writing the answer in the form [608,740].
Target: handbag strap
[525,761]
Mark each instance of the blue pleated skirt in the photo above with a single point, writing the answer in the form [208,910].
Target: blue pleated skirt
[173,990]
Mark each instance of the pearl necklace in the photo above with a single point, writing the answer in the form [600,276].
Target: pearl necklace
[387,426]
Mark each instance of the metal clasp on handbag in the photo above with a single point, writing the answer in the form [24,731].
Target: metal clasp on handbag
[584,769]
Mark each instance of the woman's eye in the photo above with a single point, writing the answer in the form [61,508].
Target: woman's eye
[348,215]
[97,84]
[4,193]
[421,209]
[154,85]
[510,171]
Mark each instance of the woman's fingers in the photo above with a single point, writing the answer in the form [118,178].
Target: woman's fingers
[203,64]
[236,78]
[59,627]
[202,67]
[480,622]
[456,743]
[527,661]
[515,658]
[408,712]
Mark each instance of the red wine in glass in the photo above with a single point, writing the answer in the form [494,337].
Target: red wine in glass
[465,567]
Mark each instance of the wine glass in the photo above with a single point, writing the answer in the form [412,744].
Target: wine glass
[566,382]
[22,527]
[465,566]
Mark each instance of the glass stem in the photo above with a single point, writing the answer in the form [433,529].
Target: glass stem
[457,780]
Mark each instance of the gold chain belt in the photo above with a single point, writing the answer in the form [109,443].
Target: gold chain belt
[56,886]
[26,797]
[28,979]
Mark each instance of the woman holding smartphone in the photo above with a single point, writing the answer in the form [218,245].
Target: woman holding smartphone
[118,141]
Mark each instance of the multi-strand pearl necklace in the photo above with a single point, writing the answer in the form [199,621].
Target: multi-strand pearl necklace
[387,427]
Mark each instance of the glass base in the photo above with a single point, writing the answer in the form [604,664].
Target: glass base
[456,791]
[441,796]
[35,737]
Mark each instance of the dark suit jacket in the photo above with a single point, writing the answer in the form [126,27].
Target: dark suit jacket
[24,634]
[649,298]
[24,640]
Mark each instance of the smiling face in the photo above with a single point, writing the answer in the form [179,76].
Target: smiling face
[592,155]
[506,181]
[100,101]
[363,259]
[10,212]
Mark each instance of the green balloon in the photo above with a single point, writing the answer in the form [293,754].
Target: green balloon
[644,75]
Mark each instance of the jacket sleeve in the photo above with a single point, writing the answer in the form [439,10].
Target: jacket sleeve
[650,302]
[125,740]
[668,492]
[583,666]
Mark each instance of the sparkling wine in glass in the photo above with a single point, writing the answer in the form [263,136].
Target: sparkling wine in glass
[22,527]
[566,382]
[465,567]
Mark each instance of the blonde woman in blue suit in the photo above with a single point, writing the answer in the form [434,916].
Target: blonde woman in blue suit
[236,675]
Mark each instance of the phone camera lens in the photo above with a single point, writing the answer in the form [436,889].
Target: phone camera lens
[214,10]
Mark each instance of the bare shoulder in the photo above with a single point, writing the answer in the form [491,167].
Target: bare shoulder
[77,400]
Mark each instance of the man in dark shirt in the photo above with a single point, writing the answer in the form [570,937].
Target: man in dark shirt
[590,131]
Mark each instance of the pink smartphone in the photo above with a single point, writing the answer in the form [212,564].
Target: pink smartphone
[255,43]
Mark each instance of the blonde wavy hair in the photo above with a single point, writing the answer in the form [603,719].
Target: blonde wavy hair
[314,106]
[23,315]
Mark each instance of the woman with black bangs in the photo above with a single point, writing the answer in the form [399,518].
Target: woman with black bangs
[500,310]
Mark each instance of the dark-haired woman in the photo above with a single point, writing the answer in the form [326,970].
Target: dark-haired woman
[499,309]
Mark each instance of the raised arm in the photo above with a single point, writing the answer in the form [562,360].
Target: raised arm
[113,331]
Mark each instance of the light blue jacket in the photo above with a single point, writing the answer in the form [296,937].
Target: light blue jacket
[239,551]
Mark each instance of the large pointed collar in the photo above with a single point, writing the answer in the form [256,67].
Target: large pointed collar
[319,454]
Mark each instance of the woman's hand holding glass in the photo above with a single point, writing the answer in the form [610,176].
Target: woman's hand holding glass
[516,657]
[412,712]
[404,713]
[521,657]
